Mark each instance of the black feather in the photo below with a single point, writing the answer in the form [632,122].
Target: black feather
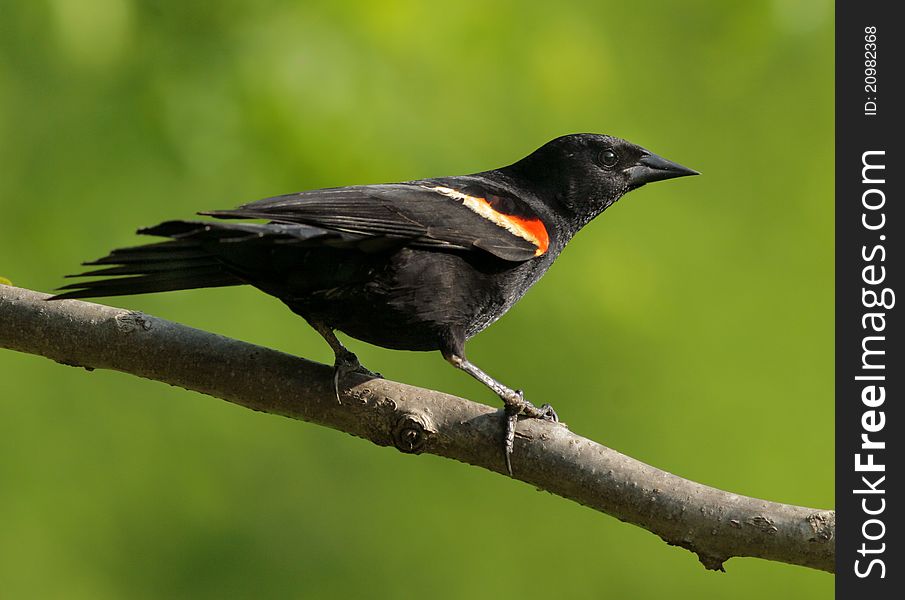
[406,210]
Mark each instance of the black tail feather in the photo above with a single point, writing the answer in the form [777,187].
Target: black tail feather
[205,254]
[148,267]
[178,264]
[146,285]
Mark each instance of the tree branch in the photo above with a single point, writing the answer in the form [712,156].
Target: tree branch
[714,524]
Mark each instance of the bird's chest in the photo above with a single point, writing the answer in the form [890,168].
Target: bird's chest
[453,290]
[413,298]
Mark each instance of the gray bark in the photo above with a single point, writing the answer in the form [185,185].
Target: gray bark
[714,524]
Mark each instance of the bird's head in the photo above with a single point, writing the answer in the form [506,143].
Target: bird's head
[585,173]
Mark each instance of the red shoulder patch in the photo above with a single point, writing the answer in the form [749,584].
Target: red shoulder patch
[492,209]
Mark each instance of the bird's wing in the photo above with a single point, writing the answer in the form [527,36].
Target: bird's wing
[448,214]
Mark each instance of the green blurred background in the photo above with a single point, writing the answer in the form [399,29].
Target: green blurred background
[691,326]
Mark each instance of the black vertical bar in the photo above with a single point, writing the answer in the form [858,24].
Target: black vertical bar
[869,364]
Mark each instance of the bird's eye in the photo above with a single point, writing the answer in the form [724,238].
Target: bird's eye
[609,158]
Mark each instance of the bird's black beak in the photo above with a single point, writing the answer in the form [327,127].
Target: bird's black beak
[651,167]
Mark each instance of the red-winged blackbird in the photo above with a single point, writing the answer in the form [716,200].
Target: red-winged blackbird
[420,265]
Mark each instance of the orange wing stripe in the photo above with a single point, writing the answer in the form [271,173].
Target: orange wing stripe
[530,229]
[533,230]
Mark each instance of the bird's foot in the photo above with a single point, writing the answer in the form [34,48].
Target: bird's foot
[345,364]
[361,370]
[516,406]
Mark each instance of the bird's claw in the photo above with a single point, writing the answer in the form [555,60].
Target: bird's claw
[548,414]
[346,364]
[368,373]
[511,414]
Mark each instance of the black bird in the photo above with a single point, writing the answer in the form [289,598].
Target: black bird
[420,265]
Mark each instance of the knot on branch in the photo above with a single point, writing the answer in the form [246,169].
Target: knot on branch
[764,524]
[823,524]
[411,433]
[132,321]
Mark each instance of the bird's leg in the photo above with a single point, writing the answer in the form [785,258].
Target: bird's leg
[514,401]
[345,361]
